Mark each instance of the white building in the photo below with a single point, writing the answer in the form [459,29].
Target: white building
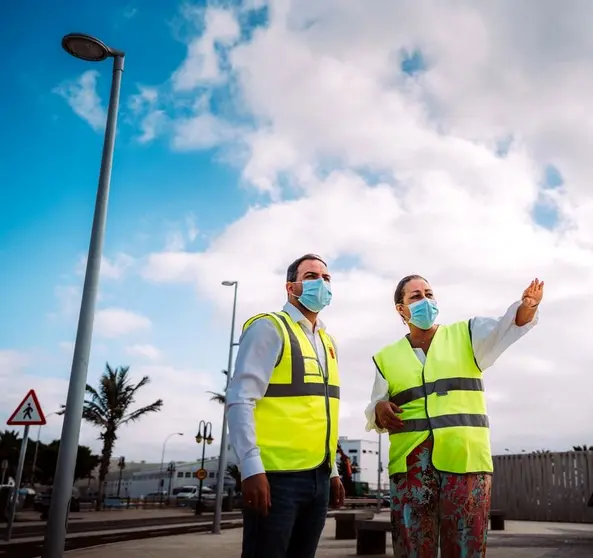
[136,483]
[365,455]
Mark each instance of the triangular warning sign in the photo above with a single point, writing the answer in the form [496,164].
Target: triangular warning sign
[28,413]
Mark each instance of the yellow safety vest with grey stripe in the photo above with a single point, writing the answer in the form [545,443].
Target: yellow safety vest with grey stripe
[444,398]
[296,422]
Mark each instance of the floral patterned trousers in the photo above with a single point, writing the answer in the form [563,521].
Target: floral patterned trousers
[427,505]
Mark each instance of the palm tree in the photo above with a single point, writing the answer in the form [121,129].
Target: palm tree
[218,397]
[109,408]
[582,448]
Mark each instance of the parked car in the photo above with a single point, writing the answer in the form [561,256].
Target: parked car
[42,502]
[184,494]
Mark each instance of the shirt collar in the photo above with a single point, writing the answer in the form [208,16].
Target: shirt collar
[297,316]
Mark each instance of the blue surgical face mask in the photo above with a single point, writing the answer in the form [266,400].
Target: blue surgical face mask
[317,294]
[423,313]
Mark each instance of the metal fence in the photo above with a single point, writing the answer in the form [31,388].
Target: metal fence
[544,487]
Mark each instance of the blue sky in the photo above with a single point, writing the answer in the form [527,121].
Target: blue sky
[49,171]
[51,160]
[252,132]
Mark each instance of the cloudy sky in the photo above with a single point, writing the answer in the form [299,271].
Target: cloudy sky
[391,138]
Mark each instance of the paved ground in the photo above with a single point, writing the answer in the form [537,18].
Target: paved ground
[519,540]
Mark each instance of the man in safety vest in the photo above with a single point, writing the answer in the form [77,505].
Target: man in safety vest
[283,405]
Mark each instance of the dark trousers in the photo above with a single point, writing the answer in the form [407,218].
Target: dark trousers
[296,519]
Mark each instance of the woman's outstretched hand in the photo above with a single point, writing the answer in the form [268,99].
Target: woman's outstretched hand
[530,300]
[533,294]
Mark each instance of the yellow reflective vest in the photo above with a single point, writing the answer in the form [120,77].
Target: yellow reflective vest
[444,398]
[296,422]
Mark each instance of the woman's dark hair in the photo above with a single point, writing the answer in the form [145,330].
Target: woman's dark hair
[398,297]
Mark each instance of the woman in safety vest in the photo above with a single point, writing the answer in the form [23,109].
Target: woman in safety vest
[428,394]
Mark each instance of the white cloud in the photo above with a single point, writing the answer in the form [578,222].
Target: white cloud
[146,351]
[183,390]
[81,95]
[145,106]
[115,322]
[16,380]
[401,173]
[203,65]
[202,131]
[110,268]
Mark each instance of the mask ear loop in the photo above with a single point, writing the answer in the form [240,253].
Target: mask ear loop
[404,319]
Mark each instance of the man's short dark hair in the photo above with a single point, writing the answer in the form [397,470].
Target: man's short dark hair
[291,272]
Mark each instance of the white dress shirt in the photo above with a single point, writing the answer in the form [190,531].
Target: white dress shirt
[259,350]
[490,338]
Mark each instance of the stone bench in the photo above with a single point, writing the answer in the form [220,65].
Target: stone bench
[346,523]
[371,537]
[497,518]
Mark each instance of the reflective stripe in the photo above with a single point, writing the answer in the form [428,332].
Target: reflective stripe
[298,387]
[289,390]
[444,421]
[441,387]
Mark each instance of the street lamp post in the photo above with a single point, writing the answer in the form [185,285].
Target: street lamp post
[90,49]
[37,450]
[222,459]
[171,468]
[121,465]
[203,437]
[161,474]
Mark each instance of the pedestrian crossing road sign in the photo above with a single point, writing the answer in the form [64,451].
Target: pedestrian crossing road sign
[201,474]
[28,413]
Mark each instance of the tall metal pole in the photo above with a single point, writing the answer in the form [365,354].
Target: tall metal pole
[55,535]
[379,471]
[222,459]
[17,482]
[35,456]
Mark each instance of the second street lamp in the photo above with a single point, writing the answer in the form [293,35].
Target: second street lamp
[90,49]
[161,473]
[222,459]
[204,437]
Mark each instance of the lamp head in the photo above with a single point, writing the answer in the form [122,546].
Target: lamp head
[86,47]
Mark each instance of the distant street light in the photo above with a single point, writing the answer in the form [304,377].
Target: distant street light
[121,465]
[171,470]
[161,474]
[222,458]
[37,448]
[90,49]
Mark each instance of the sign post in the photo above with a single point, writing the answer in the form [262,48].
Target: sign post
[27,414]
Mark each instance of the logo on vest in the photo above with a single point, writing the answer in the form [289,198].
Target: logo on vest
[331,353]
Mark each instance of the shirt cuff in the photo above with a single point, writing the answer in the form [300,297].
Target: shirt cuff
[371,420]
[334,472]
[252,466]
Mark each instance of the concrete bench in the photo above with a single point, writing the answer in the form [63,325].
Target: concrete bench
[346,523]
[359,502]
[497,518]
[371,536]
